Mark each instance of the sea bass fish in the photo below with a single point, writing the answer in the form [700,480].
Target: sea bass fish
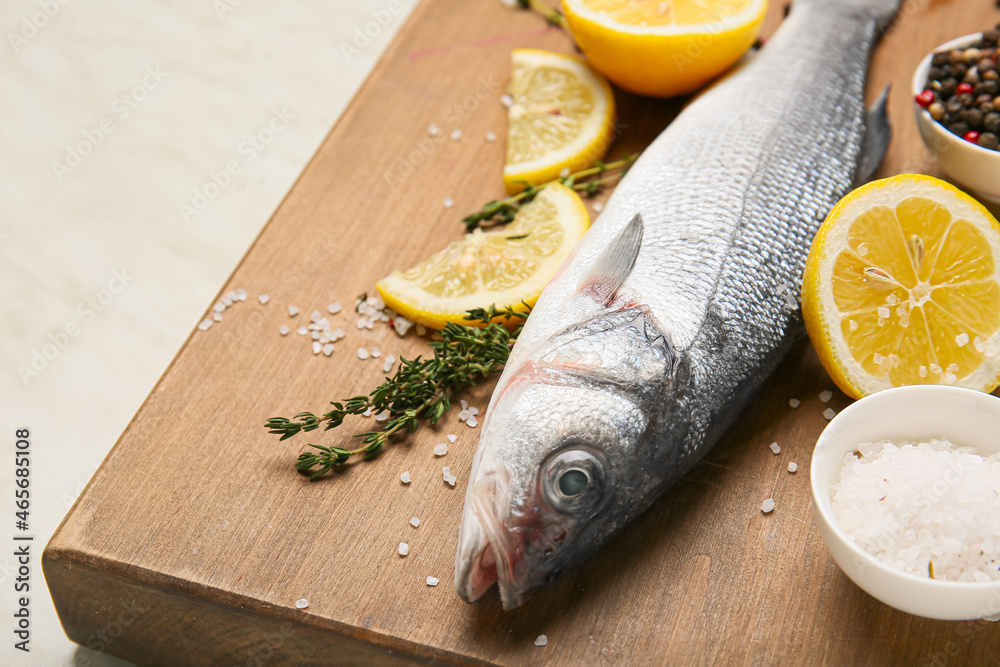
[675,308]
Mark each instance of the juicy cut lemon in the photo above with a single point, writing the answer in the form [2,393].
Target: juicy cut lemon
[502,268]
[664,47]
[902,287]
[561,117]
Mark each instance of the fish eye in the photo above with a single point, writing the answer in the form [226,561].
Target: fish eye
[574,480]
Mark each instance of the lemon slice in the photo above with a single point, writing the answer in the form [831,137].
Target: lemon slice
[664,48]
[503,267]
[902,287]
[562,117]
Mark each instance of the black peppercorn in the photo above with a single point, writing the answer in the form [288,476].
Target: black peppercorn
[989,140]
[991,122]
[958,128]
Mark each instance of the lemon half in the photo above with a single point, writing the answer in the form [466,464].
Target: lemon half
[902,287]
[504,268]
[562,117]
[664,48]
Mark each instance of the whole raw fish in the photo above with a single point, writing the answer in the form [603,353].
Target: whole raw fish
[676,306]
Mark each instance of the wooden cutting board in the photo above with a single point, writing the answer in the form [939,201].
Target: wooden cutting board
[195,538]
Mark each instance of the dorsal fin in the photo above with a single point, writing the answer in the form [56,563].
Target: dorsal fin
[615,263]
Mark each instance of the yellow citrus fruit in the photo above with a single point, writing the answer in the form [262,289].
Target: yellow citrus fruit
[901,287]
[503,268]
[664,48]
[562,117]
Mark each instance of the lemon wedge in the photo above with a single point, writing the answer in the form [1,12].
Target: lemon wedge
[504,268]
[664,48]
[561,117]
[902,287]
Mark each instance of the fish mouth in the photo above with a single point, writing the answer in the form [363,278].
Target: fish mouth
[486,554]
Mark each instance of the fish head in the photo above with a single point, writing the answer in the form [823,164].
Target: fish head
[560,467]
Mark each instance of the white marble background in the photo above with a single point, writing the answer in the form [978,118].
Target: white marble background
[113,114]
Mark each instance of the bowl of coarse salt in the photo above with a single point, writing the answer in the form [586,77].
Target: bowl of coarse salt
[906,484]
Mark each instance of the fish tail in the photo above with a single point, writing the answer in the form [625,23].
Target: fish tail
[883,12]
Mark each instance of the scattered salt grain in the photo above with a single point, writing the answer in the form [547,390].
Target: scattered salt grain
[432,581]
[491,136]
[449,202]
[507,100]
[302,331]
[925,508]
[292,311]
[541,640]
[317,348]
[793,466]
[367,413]
[472,422]
[829,414]
[362,353]
[883,312]
[316,316]
[456,134]
[382,416]
[825,395]
[414,521]
[205,324]
[241,294]
[448,477]
[284,330]
[219,307]
[794,402]
[767,506]
[464,403]
[263,298]
[404,548]
[314,335]
[301,604]
[962,339]
[401,325]
[389,361]
[217,317]
[776,448]
[405,477]
[328,349]
[441,449]
[852,325]
[334,308]
[452,438]
[598,206]
[433,130]
[376,353]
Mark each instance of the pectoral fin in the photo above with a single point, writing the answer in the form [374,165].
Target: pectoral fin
[615,263]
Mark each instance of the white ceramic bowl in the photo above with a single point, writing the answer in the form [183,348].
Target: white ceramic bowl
[963,416]
[972,167]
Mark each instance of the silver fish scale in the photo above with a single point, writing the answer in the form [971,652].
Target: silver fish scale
[731,196]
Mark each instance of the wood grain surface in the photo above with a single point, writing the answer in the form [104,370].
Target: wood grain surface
[196,536]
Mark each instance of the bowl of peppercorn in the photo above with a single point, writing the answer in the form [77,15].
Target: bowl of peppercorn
[957,93]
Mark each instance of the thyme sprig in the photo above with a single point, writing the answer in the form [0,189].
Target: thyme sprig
[554,17]
[420,390]
[587,182]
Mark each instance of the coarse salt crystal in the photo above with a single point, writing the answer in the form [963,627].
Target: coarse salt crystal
[405,477]
[776,448]
[387,365]
[541,640]
[449,202]
[793,466]
[328,349]
[263,298]
[382,416]
[441,449]
[368,412]
[316,316]
[472,422]
[962,339]
[241,294]
[922,371]
[334,308]
[464,403]
[433,130]
[284,330]
[598,206]
[219,307]
[301,604]
[767,506]
[446,470]
[302,331]
[877,358]
[491,136]
[414,521]
[376,353]
[507,100]
[829,414]
[403,549]
[217,317]
[314,335]
[883,312]
[362,353]
[205,324]
[317,348]
[825,395]
[456,134]
[794,402]
[292,311]
[852,325]
[452,438]
[432,581]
